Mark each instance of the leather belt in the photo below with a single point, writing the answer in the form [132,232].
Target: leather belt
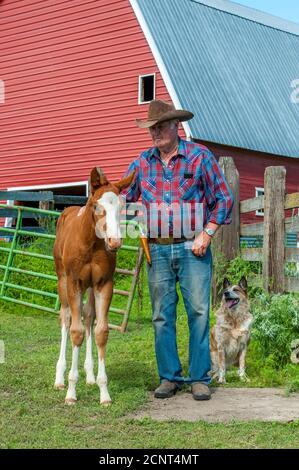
[168,241]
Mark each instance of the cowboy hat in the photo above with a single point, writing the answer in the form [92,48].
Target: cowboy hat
[161,111]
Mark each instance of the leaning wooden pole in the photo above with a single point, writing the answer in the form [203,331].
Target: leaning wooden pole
[274,229]
[226,243]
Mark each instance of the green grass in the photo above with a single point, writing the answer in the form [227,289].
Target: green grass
[33,414]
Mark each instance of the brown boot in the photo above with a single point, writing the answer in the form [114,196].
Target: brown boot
[200,391]
[166,389]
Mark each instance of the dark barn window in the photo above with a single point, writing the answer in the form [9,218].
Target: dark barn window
[146,88]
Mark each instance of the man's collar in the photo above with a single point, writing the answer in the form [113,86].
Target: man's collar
[182,151]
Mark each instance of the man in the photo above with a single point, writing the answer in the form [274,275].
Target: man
[176,173]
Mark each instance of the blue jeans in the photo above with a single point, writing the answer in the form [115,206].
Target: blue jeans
[171,264]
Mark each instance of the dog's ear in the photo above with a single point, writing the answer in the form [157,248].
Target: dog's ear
[226,283]
[243,283]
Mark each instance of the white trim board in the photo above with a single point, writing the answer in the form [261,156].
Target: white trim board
[259,212]
[45,186]
[8,220]
[160,63]
[139,86]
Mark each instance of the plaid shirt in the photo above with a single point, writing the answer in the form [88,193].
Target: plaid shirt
[192,176]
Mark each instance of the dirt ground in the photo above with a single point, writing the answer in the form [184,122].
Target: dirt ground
[226,404]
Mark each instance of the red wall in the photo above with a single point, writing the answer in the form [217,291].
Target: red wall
[251,166]
[71,75]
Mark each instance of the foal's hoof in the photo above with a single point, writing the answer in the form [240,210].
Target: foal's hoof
[106,403]
[70,401]
[90,382]
[59,386]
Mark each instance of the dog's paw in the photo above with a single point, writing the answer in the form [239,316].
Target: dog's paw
[221,379]
[213,373]
[243,377]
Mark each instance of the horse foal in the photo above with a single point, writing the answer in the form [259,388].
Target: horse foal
[85,257]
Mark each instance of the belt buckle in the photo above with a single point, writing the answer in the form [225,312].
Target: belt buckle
[164,241]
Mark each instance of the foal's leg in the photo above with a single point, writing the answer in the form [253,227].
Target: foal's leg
[77,335]
[89,316]
[65,325]
[103,297]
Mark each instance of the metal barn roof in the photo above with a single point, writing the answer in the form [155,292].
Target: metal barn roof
[232,66]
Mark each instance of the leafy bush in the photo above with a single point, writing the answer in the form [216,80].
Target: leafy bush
[276,324]
[234,270]
[238,267]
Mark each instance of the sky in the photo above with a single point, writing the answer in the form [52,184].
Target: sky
[287,9]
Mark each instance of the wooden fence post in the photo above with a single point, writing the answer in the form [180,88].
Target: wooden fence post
[227,239]
[274,229]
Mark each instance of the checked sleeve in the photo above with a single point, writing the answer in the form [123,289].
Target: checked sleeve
[132,193]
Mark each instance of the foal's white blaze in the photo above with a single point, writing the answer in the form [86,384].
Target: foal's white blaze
[88,365]
[61,363]
[73,376]
[111,204]
[102,377]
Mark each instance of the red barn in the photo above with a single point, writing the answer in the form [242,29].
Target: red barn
[75,75]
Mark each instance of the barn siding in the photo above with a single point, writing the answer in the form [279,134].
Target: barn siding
[251,166]
[71,74]
[71,77]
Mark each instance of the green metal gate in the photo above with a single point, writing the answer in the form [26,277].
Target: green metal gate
[18,233]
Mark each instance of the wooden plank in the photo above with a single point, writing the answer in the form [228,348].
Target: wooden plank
[256,254]
[292,224]
[121,292]
[75,200]
[114,327]
[26,196]
[292,255]
[291,284]
[227,238]
[26,215]
[119,311]
[252,254]
[274,229]
[124,271]
[291,201]
[247,230]
[253,204]
[257,203]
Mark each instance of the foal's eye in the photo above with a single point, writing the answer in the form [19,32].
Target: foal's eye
[99,210]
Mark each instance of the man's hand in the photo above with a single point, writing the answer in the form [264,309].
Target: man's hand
[201,244]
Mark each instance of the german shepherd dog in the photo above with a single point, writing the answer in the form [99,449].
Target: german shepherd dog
[230,336]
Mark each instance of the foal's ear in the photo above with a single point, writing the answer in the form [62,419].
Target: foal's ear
[97,179]
[125,182]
